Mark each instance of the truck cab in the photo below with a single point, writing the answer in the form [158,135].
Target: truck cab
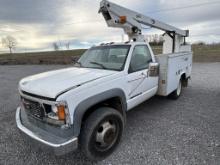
[132,61]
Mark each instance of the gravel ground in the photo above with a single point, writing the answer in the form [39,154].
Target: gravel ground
[160,131]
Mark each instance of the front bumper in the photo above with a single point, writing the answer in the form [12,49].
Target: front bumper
[43,140]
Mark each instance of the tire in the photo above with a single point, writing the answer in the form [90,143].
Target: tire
[177,93]
[101,133]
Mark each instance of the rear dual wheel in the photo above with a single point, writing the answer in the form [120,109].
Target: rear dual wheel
[177,93]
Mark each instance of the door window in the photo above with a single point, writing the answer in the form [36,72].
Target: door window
[140,59]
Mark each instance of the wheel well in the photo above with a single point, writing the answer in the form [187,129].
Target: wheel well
[184,80]
[183,76]
[114,102]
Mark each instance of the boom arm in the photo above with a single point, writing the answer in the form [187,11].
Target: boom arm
[131,21]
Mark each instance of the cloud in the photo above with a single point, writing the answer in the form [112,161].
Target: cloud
[37,24]
[27,11]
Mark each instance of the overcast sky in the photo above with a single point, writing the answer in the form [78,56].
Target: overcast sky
[36,24]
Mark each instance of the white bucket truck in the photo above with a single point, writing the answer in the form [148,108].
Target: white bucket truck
[85,106]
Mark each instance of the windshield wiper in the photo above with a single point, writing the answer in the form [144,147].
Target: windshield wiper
[99,64]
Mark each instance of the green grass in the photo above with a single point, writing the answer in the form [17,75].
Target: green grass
[53,57]
[206,53]
[201,53]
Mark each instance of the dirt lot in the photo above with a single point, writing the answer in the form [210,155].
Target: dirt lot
[160,131]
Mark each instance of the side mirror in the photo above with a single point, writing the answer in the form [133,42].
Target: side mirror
[74,59]
[153,70]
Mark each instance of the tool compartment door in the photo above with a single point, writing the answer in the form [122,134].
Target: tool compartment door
[172,66]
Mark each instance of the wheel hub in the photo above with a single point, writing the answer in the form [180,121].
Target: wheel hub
[106,134]
[109,136]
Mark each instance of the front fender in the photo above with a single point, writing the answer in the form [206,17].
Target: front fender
[91,101]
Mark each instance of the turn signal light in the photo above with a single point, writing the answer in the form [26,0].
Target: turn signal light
[61,112]
[122,19]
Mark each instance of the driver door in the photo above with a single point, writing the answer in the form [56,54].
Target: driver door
[140,85]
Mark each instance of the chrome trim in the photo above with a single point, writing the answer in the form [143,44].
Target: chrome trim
[35,137]
[38,100]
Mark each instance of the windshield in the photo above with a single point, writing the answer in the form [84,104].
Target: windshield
[111,57]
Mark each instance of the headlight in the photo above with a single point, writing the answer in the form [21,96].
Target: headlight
[60,113]
[59,110]
[54,109]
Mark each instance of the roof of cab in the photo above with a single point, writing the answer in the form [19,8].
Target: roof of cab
[122,43]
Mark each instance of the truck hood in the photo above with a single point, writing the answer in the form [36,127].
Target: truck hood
[53,83]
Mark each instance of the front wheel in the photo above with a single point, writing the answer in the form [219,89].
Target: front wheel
[176,94]
[101,133]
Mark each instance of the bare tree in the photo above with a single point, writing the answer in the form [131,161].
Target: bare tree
[9,42]
[56,46]
[67,45]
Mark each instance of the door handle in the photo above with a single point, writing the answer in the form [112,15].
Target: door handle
[144,74]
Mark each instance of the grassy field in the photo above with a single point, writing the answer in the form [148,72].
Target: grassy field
[53,57]
[201,53]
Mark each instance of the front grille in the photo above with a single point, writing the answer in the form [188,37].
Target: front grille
[33,108]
